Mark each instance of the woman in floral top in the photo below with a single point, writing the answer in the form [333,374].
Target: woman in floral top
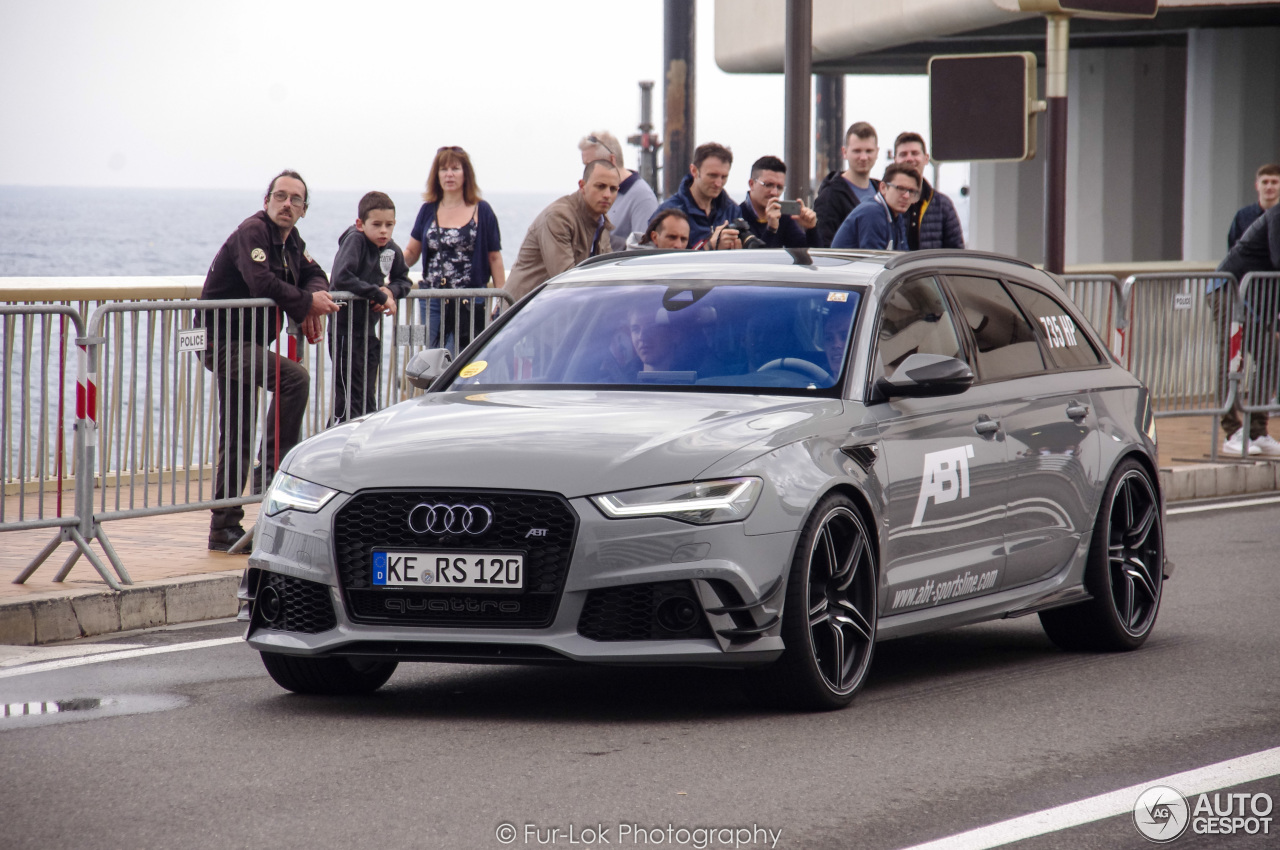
[456,234]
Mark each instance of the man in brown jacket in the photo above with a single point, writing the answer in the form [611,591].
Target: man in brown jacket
[568,231]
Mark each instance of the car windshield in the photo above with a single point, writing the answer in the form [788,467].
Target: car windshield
[744,337]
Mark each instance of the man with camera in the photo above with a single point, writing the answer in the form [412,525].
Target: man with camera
[702,198]
[775,223]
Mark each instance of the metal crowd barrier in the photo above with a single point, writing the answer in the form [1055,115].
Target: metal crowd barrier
[1179,329]
[1259,345]
[1099,297]
[148,439]
[39,446]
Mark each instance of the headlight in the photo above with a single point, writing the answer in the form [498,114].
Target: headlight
[289,493]
[699,501]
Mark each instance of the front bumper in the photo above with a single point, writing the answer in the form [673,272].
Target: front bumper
[736,582]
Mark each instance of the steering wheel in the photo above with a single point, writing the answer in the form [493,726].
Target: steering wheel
[797,364]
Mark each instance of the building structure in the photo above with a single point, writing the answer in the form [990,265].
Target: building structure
[1168,118]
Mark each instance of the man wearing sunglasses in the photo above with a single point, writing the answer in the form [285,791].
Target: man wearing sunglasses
[882,225]
[264,258]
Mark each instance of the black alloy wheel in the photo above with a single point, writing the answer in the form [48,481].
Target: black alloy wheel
[1125,573]
[829,619]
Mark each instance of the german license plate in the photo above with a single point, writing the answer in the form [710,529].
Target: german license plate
[449,570]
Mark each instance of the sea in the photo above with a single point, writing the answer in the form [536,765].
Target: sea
[61,231]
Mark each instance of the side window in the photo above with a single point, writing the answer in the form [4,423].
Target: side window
[1007,344]
[914,319]
[1069,348]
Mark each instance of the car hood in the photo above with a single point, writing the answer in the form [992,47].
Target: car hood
[575,443]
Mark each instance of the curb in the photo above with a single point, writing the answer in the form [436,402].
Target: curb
[67,615]
[1219,480]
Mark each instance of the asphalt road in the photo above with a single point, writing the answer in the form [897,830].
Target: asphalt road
[954,732]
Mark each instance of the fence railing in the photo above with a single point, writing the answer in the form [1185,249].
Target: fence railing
[161,382]
[1100,297]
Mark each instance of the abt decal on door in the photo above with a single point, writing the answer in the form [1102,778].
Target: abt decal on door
[945,479]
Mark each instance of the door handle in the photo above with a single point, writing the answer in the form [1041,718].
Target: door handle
[985,426]
[1077,411]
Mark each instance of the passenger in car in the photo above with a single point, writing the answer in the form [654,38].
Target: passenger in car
[654,339]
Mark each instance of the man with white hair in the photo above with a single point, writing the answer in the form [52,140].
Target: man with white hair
[636,201]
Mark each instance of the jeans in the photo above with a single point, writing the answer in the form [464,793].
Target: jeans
[450,321]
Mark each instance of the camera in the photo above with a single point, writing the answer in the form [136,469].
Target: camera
[745,236]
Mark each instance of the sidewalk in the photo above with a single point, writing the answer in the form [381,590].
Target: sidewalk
[176,579]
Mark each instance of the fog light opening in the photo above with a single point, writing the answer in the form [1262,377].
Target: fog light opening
[677,614]
[269,604]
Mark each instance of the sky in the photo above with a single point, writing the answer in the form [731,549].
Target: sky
[359,96]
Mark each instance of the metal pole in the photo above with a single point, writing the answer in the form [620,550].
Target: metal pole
[828,126]
[798,70]
[1055,176]
[678,89]
[646,139]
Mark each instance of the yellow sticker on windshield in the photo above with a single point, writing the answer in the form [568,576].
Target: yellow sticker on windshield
[838,296]
[473,369]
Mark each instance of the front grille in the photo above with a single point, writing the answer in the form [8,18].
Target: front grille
[305,606]
[630,612]
[378,519]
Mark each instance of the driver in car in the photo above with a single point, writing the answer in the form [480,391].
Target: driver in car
[653,338]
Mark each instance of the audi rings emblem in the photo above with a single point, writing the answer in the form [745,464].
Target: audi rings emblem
[427,518]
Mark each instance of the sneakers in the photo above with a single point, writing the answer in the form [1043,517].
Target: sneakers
[1234,445]
[1266,444]
[222,539]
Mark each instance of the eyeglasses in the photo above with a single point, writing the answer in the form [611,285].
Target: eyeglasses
[280,197]
[906,190]
[776,187]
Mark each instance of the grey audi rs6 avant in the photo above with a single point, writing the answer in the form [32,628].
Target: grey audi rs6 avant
[764,460]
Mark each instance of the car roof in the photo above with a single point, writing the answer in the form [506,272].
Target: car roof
[801,265]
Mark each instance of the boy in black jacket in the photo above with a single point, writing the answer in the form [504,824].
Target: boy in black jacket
[371,266]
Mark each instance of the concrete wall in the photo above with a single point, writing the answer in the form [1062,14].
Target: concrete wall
[1232,127]
[1124,166]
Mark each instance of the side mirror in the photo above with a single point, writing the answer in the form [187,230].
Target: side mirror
[927,375]
[424,367]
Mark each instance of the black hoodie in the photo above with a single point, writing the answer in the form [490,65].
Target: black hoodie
[357,268]
[834,203]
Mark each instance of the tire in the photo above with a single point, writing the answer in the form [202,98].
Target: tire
[829,616]
[329,676]
[1125,572]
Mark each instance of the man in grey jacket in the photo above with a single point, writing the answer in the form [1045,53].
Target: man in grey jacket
[568,231]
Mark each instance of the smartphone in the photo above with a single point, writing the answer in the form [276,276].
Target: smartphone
[790,207]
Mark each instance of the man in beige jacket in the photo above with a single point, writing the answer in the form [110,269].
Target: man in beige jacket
[568,231]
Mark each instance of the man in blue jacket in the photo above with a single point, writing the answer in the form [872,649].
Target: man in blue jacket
[1267,184]
[932,221]
[881,224]
[702,197]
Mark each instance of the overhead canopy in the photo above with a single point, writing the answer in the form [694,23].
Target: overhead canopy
[899,36]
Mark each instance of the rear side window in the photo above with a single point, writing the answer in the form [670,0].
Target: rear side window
[914,319]
[1069,347]
[1007,343]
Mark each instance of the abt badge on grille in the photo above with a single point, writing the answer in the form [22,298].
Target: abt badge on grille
[536,532]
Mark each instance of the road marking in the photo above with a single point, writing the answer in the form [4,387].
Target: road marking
[1222,506]
[1225,774]
[64,663]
